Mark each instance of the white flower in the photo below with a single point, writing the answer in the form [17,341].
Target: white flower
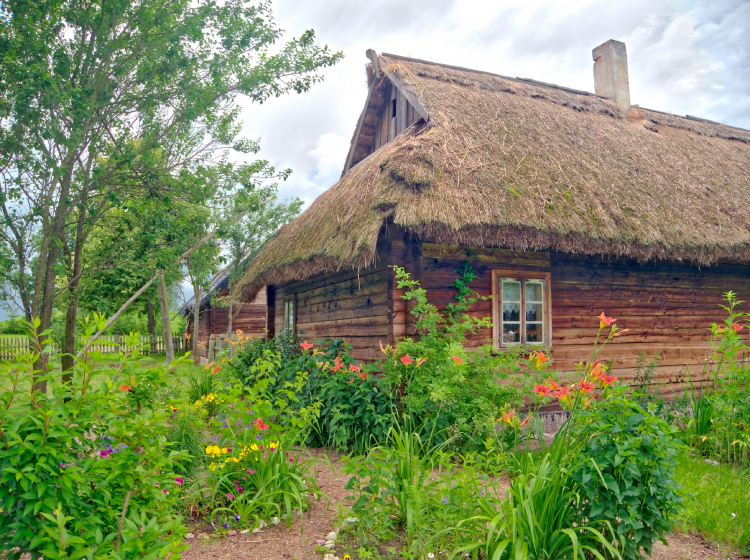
[734,515]
[430,555]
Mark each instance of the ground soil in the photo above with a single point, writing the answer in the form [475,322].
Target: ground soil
[299,542]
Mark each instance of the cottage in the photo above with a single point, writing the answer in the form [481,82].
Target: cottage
[218,318]
[567,203]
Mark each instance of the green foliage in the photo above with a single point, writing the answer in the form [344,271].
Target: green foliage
[629,479]
[719,401]
[717,502]
[539,519]
[77,460]
[14,325]
[353,412]
[434,376]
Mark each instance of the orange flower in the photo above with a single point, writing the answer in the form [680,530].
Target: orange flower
[552,384]
[125,387]
[596,369]
[406,360]
[421,361]
[217,369]
[350,381]
[355,369]
[508,416]
[363,376]
[605,321]
[525,421]
[457,361]
[737,327]
[538,358]
[260,424]
[386,349]
[606,380]
[585,386]
[305,346]
[542,390]
[621,333]
[338,363]
[563,394]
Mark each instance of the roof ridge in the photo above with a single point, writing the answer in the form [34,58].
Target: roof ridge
[555,86]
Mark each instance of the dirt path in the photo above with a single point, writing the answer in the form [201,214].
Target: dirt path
[280,543]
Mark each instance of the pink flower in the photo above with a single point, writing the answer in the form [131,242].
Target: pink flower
[542,390]
[229,495]
[179,481]
[260,425]
[305,346]
[406,360]
[165,491]
[605,321]
[737,327]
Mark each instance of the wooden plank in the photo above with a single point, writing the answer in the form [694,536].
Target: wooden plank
[402,104]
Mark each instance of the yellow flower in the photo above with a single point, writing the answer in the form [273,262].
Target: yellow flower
[213,450]
[254,447]
[273,444]
[212,467]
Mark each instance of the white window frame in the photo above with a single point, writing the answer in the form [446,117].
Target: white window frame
[521,276]
[290,319]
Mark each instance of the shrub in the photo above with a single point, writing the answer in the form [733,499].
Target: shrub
[83,472]
[627,471]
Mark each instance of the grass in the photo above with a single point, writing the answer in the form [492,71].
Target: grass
[717,502]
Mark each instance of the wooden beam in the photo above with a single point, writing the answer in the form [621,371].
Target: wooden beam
[405,91]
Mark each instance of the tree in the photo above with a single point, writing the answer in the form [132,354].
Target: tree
[100,99]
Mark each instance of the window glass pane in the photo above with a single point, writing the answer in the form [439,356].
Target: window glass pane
[534,291]
[511,333]
[511,290]
[534,332]
[511,311]
[533,311]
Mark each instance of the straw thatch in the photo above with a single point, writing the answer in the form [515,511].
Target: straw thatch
[527,166]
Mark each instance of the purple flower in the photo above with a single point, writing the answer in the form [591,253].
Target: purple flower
[62,465]
[482,493]
[225,425]
[178,480]
[236,517]
[110,438]
[229,495]
[250,471]
[81,456]
[104,454]
[445,500]
[156,484]
[259,437]
[226,525]
[124,446]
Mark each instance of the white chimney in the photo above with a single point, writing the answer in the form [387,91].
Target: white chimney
[611,73]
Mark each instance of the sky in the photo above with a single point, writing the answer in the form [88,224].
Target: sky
[685,57]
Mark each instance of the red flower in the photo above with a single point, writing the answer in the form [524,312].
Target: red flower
[563,394]
[305,346]
[217,369]
[605,321]
[585,386]
[542,390]
[606,380]
[406,360]
[260,424]
[125,387]
[457,361]
[350,381]
[338,363]
[737,327]
[355,369]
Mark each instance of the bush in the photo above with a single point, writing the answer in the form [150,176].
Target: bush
[627,471]
[84,472]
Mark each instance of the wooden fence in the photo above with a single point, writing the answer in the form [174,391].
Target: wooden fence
[11,345]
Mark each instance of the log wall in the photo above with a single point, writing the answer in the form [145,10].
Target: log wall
[349,304]
[668,307]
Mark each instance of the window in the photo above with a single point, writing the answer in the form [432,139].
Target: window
[521,308]
[289,314]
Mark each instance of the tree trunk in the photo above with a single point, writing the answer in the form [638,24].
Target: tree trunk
[166,326]
[69,343]
[151,324]
[196,324]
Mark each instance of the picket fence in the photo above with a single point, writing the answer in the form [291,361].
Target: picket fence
[12,345]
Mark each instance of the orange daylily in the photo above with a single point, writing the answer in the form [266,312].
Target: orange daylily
[305,346]
[421,361]
[457,361]
[621,333]
[596,369]
[737,327]
[606,380]
[362,376]
[538,358]
[552,384]
[406,360]
[338,363]
[605,321]
[542,390]
[125,387]
[562,394]
[355,369]
[585,386]
[508,416]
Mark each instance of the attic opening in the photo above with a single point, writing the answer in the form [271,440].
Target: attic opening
[387,115]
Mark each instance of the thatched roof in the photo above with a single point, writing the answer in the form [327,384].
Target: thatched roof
[527,166]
